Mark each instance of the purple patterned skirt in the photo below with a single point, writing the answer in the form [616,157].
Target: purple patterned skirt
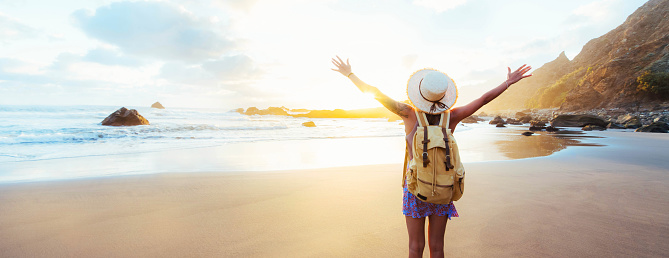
[414,207]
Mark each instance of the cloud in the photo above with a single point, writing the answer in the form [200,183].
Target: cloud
[185,74]
[439,5]
[154,29]
[228,70]
[236,67]
[594,11]
[11,76]
[111,57]
[103,56]
[64,61]
[244,5]
[12,29]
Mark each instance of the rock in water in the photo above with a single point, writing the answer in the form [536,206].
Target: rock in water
[309,124]
[656,127]
[593,127]
[552,129]
[470,120]
[125,117]
[513,121]
[577,121]
[527,133]
[269,111]
[526,119]
[537,123]
[496,120]
[613,125]
[157,105]
[251,111]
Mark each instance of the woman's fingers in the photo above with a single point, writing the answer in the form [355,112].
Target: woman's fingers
[340,61]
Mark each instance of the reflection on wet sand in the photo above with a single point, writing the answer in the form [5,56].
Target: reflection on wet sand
[517,146]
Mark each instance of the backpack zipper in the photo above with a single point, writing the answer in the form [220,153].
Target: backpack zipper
[425,182]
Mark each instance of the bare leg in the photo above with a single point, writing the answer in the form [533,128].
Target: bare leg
[416,229]
[436,230]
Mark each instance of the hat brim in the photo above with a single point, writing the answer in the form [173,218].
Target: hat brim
[424,105]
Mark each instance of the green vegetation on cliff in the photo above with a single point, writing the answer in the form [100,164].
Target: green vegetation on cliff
[654,84]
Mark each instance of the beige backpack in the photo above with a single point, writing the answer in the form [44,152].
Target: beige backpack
[435,174]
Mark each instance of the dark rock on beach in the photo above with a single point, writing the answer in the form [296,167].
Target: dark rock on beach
[157,105]
[633,123]
[613,125]
[527,133]
[125,117]
[629,121]
[552,129]
[537,123]
[577,121]
[593,127]
[662,119]
[657,127]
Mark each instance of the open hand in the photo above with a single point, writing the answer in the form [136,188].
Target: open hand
[343,68]
[518,74]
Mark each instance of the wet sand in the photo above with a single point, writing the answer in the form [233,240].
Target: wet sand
[582,201]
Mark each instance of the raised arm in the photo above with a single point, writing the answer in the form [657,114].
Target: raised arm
[401,109]
[459,113]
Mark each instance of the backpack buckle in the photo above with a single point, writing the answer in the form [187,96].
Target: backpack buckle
[426,160]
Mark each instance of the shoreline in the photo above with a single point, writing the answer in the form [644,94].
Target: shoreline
[577,202]
[477,143]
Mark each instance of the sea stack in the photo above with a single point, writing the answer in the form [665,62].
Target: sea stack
[157,105]
[125,117]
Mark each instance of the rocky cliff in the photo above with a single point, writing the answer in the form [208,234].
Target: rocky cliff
[604,74]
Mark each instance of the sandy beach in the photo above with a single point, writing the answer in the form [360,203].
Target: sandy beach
[606,201]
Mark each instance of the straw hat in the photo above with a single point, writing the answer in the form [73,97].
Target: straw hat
[431,91]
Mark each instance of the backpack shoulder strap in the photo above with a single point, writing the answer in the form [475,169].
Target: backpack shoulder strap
[446,115]
[422,119]
[404,168]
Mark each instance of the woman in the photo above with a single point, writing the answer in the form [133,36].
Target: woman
[414,209]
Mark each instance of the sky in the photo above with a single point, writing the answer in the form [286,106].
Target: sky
[226,54]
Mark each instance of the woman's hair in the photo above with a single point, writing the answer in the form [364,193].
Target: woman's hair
[433,119]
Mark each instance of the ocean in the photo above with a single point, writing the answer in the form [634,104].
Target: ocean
[42,143]
[42,132]
[31,134]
